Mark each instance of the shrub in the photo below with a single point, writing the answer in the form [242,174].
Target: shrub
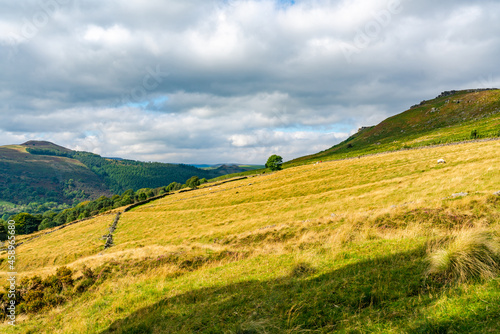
[35,294]
[34,301]
[87,272]
[473,134]
[53,283]
[84,284]
[65,275]
[87,281]
[471,254]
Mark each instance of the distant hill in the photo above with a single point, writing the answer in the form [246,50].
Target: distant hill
[38,172]
[452,116]
[229,166]
[26,178]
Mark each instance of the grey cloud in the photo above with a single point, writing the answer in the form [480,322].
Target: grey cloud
[231,71]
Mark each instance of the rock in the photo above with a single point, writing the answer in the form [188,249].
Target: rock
[459,194]
[497,193]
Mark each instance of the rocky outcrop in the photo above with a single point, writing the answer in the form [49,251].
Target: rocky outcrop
[453,92]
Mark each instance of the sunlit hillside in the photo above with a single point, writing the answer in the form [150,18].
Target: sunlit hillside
[337,246]
[453,116]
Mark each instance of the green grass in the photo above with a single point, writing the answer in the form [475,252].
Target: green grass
[432,123]
[266,255]
[416,128]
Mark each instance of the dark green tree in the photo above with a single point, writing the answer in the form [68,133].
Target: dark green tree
[173,186]
[26,223]
[126,200]
[193,182]
[3,230]
[274,162]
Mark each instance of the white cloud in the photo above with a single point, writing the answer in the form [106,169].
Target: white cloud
[112,35]
[235,80]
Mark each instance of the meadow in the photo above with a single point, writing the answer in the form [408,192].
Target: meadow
[341,246]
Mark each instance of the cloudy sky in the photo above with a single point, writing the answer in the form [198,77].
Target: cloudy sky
[207,81]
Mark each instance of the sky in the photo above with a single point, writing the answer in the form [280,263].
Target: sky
[213,81]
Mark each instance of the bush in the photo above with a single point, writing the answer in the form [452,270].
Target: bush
[65,275]
[34,294]
[193,182]
[84,285]
[471,254]
[474,134]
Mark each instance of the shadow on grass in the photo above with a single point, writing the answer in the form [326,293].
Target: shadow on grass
[382,294]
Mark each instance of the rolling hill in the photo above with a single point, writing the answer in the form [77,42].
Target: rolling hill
[41,172]
[372,244]
[26,178]
[451,117]
[342,246]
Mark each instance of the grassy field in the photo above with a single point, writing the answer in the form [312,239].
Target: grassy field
[340,246]
[438,121]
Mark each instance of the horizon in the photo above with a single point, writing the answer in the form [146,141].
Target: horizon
[201,82]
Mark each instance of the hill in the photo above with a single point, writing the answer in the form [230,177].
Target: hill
[451,117]
[27,178]
[342,246]
[46,174]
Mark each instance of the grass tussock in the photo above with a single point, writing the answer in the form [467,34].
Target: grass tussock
[470,254]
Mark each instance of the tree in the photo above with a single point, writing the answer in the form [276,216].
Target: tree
[193,182]
[3,230]
[26,223]
[126,200]
[173,186]
[274,162]
[142,197]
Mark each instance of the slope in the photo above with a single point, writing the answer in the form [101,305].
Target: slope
[39,172]
[451,117]
[26,178]
[340,246]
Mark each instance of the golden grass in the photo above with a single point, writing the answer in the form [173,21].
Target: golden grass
[291,198]
[292,222]
[44,254]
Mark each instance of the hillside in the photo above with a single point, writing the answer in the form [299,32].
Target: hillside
[342,246]
[40,172]
[26,178]
[451,117]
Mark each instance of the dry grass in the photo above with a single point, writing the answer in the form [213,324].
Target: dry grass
[471,254]
[296,223]
[354,190]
